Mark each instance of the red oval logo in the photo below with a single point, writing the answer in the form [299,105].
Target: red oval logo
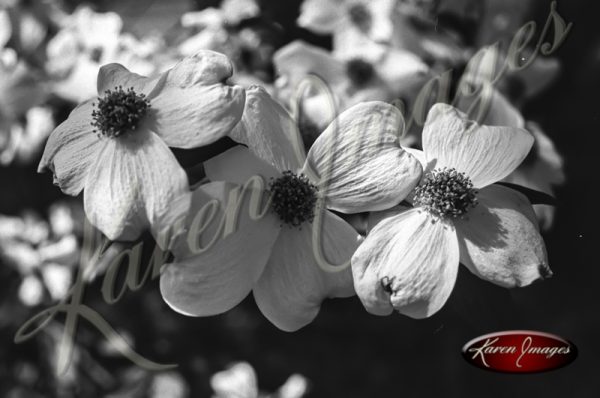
[519,351]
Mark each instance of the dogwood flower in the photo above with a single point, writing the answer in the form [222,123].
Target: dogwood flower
[230,12]
[542,169]
[42,254]
[359,27]
[393,75]
[240,381]
[409,261]
[21,89]
[280,256]
[87,41]
[25,141]
[115,148]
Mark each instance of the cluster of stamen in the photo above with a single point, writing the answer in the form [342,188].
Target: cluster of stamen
[446,193]
[360,16]
[293,198]
[359,71]
[119,111]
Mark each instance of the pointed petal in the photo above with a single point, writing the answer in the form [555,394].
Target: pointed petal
[542,171]
[486,154]
[192,106]
[407,263]
[382,27]
[500,239]
[350,42]
[238,165]
[269,131]
[214,269]
[320,16]
[71,149]
[115,75]
[296,386]
[368,170]
[238,10]
[204,68]
[197,116]
[131,184]
[80,85]
[298,59]
[293,285]
[420,156]
[543,168]
[493,110]
[400,69]
[239,381]
[317,112]
[375,217]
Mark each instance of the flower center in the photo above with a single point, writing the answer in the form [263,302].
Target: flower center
[360,16]
[359,71]
[293,198]
[446,193]
[119,111]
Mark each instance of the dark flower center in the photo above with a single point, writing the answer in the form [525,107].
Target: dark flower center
[293,198]
[119,111]
[360,17]
[446,193]
[96,54]
[359,71]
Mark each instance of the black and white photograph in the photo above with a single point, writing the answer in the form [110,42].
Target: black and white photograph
[299,198]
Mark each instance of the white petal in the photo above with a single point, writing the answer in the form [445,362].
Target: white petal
[350,43]
[269,131]
[400,69]
[486,154]
[319,111]
[81,84]
[208,17]
[214,269]
[296,386]
[543,169]
[57,279]
[420,156]
[192,106]
[298,59]
[500,240]
[31,291]
[5,28]
[71,149]
[238,10]
[407,263]
[491,109]
[382,12]
[238,165]
[96,29]
[196,116]
[204,68]
[131,184]
[375,217]
[358,160]
[115,75]
[239,381]
[293,285]
[320,16]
